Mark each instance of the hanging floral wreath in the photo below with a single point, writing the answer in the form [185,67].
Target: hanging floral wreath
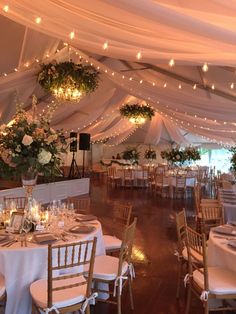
[68,80]
[137,112]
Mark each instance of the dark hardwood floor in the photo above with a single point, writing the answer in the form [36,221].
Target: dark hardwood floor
[155,264]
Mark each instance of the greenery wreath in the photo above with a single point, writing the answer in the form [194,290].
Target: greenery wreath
[66,76]
[137,110]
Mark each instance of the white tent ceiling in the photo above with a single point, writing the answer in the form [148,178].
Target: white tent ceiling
[190,32]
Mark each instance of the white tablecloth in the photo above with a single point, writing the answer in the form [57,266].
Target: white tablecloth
[220,254]
[21,266]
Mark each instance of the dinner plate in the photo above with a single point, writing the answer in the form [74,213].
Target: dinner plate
[225,230]
[82,229]
[44,238]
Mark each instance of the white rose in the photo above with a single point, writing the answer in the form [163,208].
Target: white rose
[51,138]
[18,149]
[178,157]
[27,140]
[44,157]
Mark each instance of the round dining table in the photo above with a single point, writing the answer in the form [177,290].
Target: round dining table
[23,265]
[220,253]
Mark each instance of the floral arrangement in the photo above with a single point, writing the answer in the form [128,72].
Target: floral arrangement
[150,154]
[136,111]
[131,154]
[178,155]
[30,144]
[68,78]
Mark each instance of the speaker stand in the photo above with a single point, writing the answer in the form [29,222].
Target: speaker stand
[83,163]
[74,170]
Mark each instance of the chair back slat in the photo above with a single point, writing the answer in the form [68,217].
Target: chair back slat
[20,202]
[181,229]
[82,205]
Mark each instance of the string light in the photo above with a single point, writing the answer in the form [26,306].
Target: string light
[180,86]
[232,86]
[205,67]
[6,8]
[213,86]
[38,20]
[165,85]
[72,35]
[105,45]
[171,62]
[139,55]
[195,86]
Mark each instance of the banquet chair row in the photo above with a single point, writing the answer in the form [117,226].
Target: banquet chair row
[64,291]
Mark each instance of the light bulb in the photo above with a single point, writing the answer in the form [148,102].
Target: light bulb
[205,67]
[171,62]
[38,20]
[139,55]
[72,35]
[105,45]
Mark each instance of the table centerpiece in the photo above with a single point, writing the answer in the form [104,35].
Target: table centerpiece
[29,146]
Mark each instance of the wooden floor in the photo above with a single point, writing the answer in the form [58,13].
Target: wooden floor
[156,267]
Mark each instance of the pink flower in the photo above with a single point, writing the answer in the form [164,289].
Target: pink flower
[27,140]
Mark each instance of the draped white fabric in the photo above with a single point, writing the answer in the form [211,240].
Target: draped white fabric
[191,32]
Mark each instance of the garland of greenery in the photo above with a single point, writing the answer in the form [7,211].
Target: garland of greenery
[233,158]
[115,162]
[54,76]
[137,110]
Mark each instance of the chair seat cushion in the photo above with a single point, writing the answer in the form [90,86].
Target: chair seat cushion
[197,256]
[111,243]
[221,281]
[106,267]
[61,298]
[2,285]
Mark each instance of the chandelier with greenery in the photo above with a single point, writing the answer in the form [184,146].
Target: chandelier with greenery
[68,80]
[136,113]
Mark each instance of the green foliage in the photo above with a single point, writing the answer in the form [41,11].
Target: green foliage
[132,154]
[66,75]
[178,155]
[136,110]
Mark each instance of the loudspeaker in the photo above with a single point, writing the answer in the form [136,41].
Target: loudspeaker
[73,144]
[84,141]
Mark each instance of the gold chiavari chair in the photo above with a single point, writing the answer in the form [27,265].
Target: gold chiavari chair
[112,178]
[121,215]
[67,292]
[180,186]
[116,272]
[207,282]
[20,202]
[161,184]
[212,215]
[143,178]
[128,177]
[81,205]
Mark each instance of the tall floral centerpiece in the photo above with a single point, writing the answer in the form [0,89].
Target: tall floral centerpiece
[29,146]
[131,154]
[179,155]
[150,154]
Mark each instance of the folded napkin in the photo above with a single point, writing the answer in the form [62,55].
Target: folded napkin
[44,238]
[82,229]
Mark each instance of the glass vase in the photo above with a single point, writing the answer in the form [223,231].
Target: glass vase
[29,179]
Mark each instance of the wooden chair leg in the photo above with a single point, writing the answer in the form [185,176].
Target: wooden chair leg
[131,294]
[118,302]
[179,279]
[206,308]
[188,300]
